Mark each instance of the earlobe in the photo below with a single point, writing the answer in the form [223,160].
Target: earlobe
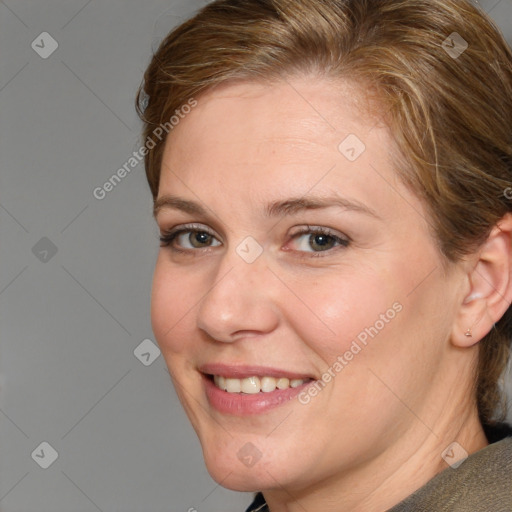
[471,324]
[490,287]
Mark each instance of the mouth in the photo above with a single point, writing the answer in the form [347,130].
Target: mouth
[255,384]
[246,390]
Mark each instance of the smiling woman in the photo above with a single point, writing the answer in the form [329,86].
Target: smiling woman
[334,226]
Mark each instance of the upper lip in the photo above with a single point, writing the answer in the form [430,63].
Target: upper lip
[237,371]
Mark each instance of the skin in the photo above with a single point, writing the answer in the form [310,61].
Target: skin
[377,430]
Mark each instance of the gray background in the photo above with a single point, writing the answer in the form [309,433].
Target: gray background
[72,320]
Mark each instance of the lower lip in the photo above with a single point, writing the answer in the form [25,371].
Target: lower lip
[242,404]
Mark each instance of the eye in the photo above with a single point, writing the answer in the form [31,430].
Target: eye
[318,240]
[188,238]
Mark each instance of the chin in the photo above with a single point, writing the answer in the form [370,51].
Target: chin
[245,469]
[233,475]
[244,479]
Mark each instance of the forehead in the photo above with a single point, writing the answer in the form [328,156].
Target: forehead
[294,114]
[289,136]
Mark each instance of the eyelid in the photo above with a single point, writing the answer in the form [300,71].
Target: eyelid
[167,237]
[308,229]
[342,240]
[193,226]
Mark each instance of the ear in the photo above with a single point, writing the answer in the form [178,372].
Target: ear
[490,292]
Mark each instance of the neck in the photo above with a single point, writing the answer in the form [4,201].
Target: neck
[395,474]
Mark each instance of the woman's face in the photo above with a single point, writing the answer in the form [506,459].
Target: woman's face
[298,258]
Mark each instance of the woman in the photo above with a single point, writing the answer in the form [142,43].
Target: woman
[332,291]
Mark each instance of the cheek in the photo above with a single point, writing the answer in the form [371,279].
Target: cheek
[337,309]
[172,307]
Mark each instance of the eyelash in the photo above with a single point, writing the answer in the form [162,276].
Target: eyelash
[343,243]
[167,238]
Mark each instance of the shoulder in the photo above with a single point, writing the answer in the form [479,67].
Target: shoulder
[482,482]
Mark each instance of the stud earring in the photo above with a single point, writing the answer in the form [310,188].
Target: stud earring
[468,333]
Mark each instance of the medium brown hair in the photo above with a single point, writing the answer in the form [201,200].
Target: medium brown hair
[449,110]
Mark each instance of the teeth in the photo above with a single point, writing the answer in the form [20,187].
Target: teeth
[268,384]
[233,385]
[253,385]
[283,383]
[220,382]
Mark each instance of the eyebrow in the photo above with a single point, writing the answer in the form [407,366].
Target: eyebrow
[289,206]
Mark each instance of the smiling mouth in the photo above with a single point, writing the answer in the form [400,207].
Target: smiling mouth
[255,384]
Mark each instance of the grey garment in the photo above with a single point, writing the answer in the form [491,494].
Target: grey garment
[482,483]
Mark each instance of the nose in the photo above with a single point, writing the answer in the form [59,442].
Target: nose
[240,301]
